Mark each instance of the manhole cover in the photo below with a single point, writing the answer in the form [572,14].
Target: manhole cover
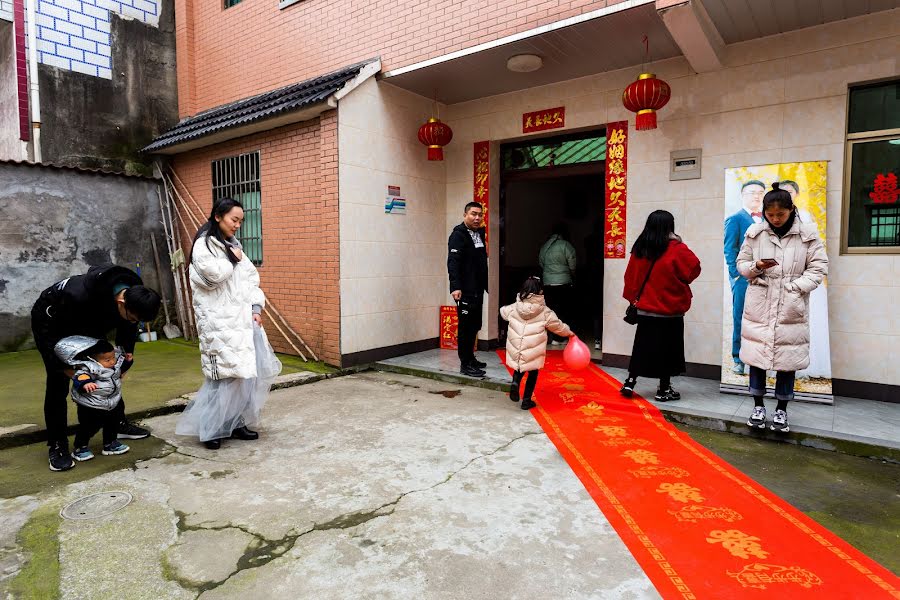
[95,506]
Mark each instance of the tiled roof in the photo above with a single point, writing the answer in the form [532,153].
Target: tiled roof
[47,165]
[257,108]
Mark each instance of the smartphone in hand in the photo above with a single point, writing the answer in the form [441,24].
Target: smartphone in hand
[771,261]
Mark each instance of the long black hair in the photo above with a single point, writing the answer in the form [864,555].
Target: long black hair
[531,287]
[654,239]
[221,207]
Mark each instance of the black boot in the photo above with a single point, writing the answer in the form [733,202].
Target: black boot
[527,404]
[213,444]
[242,433]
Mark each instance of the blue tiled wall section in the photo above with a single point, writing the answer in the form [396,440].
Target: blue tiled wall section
[74,34]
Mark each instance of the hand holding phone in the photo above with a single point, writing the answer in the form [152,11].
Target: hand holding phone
[766,263]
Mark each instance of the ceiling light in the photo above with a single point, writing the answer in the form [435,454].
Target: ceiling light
[524,63]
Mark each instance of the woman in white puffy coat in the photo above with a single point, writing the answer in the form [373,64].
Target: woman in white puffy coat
[526,339]
[238,362]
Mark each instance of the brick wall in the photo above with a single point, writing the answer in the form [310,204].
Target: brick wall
[300,272]
[255,46]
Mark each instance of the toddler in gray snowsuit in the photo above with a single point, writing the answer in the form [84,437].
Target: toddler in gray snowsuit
[97,390]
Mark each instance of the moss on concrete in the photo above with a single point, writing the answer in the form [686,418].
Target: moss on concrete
[24,470]
[163,370]
[39,540]
[856,498]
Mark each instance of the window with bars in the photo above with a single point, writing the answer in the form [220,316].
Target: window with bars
[871,195]
[230,3]
[237,177]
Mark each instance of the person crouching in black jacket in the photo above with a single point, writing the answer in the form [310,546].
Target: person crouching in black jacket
[468,270]
[107,297]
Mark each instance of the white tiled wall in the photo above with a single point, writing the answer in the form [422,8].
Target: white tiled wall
[6,10]
[393,273]
[779,99]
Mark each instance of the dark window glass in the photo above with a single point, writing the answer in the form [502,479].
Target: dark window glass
[875,107]
[874,218]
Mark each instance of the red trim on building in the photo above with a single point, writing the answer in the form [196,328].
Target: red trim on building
[21,69]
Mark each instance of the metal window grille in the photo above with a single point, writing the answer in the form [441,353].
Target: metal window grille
[237,177]
[885,226]
[230,3]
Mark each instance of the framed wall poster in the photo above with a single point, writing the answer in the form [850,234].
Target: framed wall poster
[744,191]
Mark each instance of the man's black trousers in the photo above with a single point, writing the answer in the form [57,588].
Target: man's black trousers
[468,309]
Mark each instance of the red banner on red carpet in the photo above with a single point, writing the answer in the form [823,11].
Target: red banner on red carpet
[482,182]
[448,327]
[549,118]
[616,189]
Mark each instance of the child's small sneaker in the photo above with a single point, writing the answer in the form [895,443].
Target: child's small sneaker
[82,454]
[758,418]
[527,404]
[115,447]
[779,422]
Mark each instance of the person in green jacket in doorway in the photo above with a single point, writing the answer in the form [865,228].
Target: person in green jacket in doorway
[557,261]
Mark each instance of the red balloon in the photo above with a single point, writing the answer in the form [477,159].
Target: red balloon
[576,355]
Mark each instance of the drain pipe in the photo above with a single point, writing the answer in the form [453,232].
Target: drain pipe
[34,89]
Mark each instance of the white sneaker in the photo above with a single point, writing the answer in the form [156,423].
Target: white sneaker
[758,418]
[779,422]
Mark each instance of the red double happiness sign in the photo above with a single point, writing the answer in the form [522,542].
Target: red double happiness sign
[549,118]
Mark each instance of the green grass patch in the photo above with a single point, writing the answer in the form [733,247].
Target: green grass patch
[39,539]
[163,370]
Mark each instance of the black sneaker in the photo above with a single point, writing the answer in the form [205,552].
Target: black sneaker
[667,395]
[527,404]
[471,371]
[130,431]
[60,459]
[478,364]
[628,387]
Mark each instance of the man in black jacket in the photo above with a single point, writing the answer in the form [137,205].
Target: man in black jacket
[468,270]
[107,297]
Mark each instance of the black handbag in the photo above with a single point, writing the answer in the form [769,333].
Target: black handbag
[631,313]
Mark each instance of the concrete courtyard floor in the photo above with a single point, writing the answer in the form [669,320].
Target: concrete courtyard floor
[375,485]
[371,485]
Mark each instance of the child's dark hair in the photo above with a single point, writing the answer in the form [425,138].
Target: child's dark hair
[101,347]
[531,287]
[777,198]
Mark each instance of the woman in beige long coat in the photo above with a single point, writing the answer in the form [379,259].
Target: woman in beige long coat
[526,339]
[784,260]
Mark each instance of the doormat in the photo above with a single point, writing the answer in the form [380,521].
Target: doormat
[698,527]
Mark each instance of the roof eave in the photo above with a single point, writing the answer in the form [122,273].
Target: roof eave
[297,116]
[305,114]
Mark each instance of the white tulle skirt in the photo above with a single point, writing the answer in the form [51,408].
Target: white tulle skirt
[223,405]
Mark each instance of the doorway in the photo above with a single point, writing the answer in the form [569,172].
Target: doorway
[547,183]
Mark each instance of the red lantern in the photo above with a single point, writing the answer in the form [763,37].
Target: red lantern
[435,135]
[644,97]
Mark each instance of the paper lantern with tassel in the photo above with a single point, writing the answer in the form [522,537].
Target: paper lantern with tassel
[644,97]
[435,135]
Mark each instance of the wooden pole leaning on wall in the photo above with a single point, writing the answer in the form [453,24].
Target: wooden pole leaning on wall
[180,308]
[269,304]
[185,286]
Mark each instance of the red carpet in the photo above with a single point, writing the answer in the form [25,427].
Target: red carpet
[697,526]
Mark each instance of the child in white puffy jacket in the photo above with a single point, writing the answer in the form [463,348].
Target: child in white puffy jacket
[526,340]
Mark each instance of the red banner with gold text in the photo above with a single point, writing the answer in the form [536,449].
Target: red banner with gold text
[482,181]
[616,189]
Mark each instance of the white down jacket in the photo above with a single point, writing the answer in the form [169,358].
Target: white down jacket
[224,295]
[526,339]
[775,327]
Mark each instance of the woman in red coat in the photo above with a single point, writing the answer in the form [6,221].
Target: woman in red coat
[668,266]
